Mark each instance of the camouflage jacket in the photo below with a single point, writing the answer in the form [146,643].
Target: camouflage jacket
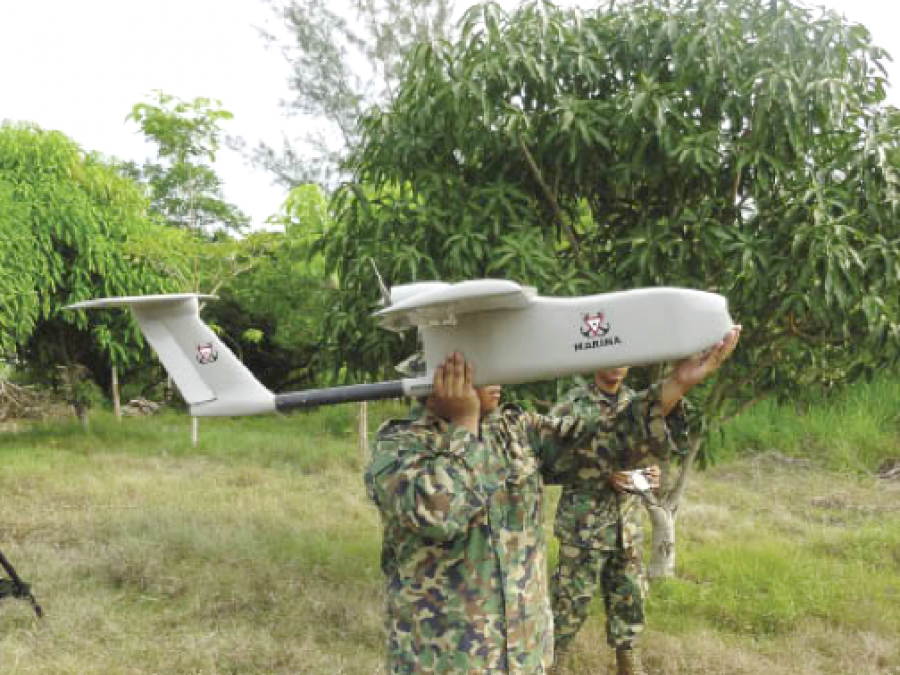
[597,517]
[463,549]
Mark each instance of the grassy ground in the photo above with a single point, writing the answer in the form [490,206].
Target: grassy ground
[784,568]
[258,553]
[855,431]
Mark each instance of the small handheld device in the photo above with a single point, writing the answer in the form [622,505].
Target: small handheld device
[640,481]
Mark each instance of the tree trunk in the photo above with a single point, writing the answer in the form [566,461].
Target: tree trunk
[664,515]
[81,412]
[662,551]
[71,376]
[116,398]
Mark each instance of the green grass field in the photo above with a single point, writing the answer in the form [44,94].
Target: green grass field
[257,552]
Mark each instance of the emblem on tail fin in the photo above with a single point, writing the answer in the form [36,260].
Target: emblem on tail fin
[207,354]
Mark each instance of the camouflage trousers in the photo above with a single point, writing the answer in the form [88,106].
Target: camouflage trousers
[580,574]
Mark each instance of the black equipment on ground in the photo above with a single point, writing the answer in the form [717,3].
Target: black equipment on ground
[14,587]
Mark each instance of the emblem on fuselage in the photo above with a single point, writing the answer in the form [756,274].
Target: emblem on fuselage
[594,326]
[595,331]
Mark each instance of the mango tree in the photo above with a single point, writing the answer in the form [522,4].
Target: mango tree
[740,147]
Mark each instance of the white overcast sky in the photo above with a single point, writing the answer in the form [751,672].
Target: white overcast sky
[80,65]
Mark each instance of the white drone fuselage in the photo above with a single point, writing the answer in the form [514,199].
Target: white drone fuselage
[509,333]
[554,337]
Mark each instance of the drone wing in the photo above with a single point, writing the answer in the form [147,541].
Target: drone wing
[438,304]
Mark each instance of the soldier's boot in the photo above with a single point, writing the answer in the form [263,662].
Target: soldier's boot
[628,662]
[562,664]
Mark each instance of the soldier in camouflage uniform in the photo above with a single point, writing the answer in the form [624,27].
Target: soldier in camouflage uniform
[598,529]
[459,487]
[599,534]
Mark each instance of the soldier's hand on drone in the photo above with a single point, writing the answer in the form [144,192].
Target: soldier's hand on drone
[454,398]
[694,370]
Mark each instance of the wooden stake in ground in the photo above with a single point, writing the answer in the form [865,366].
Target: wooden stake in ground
[116,399]
[363,429]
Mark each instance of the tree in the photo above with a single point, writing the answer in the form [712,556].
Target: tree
[343,59]
[18,305]
[267,286]
[185,193]
[731,145]
[72,220]
[183,187]
[275,311]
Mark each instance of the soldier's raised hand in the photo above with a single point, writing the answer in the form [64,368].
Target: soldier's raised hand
[694,370]
[454,397]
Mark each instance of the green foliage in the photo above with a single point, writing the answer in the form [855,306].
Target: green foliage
[184,188]
[186,194]
[274,312]
[72,220]
[740,147]
[18,303]
[197,263]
